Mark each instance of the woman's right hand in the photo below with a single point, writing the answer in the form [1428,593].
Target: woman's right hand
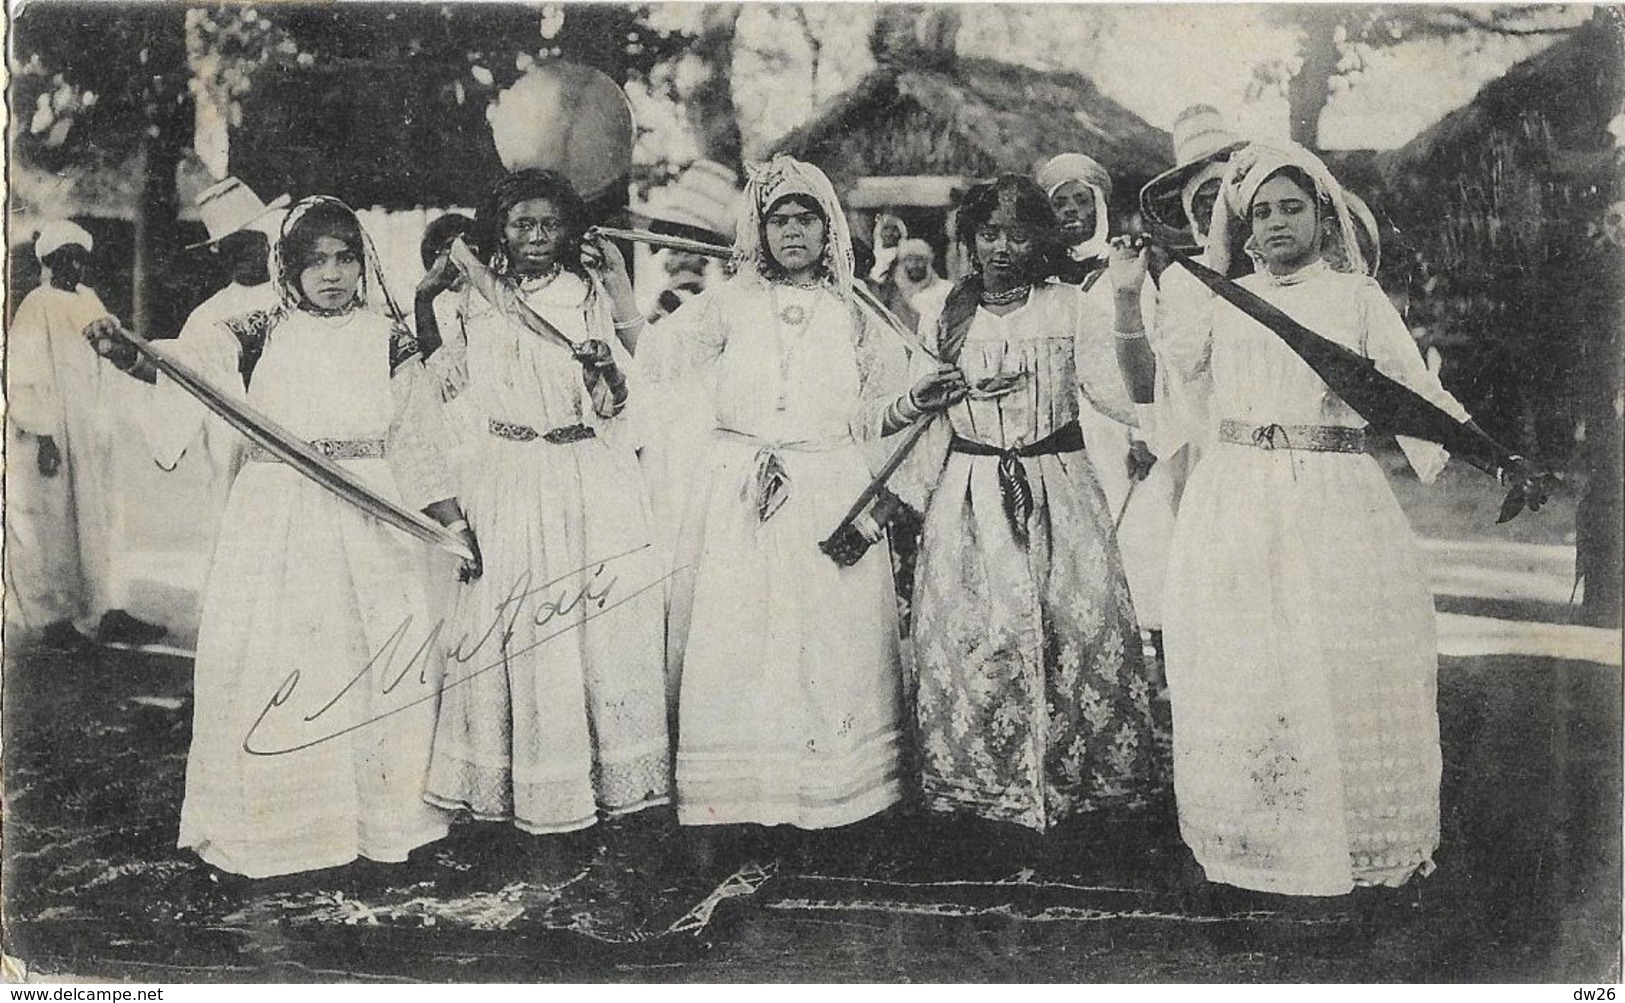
[940,390]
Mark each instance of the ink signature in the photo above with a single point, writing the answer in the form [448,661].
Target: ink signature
[558,601]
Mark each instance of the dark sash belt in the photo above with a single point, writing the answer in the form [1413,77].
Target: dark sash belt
[1013,487]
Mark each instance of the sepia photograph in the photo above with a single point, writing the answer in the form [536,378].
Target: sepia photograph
[514,492]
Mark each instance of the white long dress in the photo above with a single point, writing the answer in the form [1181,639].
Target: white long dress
[1302,664]
[555,701]
[314,704]
[790,682]
[61,529]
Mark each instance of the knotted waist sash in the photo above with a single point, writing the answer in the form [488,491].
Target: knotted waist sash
[768,487]
[1014,489]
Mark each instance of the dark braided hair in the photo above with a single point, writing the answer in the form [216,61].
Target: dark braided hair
[1032,210]
[521,186]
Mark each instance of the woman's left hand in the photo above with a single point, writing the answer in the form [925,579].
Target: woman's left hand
[470,568]
[594,354]
[1126,266]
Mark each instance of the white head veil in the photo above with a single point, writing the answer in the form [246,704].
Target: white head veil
[1247,171]
[770,182]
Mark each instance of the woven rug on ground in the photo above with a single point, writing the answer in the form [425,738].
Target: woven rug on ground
[95,764]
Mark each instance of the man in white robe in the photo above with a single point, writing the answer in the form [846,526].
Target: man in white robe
[1079,189]
[62,505]
[233,216]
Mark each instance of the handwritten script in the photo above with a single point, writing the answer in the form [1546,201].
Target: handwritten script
[550,609]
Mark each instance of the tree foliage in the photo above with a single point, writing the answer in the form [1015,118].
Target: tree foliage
[1338,41]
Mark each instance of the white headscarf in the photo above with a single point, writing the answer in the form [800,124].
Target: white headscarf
[1247,171]
[1088,172]
[784,176]
[59,233]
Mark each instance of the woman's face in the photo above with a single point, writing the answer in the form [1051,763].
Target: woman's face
[533,235]
[1286,229]
[1006,248]
[330,274]
[795,237]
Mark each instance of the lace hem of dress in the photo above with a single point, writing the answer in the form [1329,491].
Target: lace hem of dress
[490,793]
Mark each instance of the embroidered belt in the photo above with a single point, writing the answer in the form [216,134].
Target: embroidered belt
[1014,489]
[768,487]
[1305,438]
[333,449]
[561,436]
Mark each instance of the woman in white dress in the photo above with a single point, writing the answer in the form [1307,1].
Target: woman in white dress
[791,695]
[314,716]
[554,710]
[1034,703]
[1302,662]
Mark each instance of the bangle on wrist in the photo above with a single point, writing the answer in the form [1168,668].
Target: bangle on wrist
[1129,335]
[627,325]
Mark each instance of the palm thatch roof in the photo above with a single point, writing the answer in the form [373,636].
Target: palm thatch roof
[976,118]
[1503,201]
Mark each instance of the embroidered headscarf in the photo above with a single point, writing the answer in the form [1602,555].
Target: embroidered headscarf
[1088,172]
[371,292]
[1246,173]
[781,177]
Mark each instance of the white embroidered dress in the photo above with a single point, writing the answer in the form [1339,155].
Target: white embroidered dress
[555,701]
[791,688]
[311,615]
[1302,663]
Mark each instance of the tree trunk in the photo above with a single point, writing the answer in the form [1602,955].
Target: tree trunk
[710,104]
[1311,87]
[168,112]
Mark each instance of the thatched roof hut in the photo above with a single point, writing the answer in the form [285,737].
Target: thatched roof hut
[926,113]
[1502,201]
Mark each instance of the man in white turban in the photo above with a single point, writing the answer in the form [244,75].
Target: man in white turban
[60,509]
[913,290]
[1079,190]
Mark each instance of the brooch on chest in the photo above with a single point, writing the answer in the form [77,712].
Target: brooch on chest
[795,315]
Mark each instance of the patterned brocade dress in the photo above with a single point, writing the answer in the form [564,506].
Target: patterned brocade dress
[1302,660]
[1033,700]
